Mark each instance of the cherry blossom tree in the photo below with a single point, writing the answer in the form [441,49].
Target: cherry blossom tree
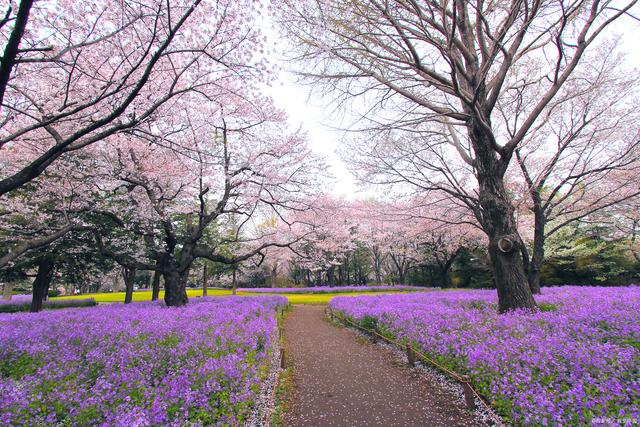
[77,73]
[345,241]
[243,164]
[44,211]
[583,157]
[440,76]
[74,73]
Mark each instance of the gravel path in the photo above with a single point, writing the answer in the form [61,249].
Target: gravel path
[340,380]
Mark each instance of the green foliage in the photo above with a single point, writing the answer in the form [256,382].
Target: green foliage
[52,293]
[18,366]
[369,322]
[543,306]
[471,269]
[580,255]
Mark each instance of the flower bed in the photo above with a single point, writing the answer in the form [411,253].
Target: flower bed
[17,299]
[136,365]
[23,303]
[334,289]
[575,362]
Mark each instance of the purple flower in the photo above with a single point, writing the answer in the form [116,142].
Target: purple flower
[142,364]
[571,363]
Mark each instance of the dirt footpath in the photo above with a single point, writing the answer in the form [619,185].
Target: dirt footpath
[341,380]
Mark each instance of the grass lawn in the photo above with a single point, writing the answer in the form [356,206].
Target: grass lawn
[193,293]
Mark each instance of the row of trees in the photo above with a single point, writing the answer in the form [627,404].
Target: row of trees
[138,131]
[364,242]
[456,98]
[372,241]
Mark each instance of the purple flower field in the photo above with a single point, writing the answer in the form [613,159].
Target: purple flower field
[576,362]
[334,289]
[136,365]
[22,303]
[17,299]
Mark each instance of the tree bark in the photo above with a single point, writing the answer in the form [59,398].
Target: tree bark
[128,274]
[535,264]
[498,221]
[537,256]
[377,263]
[204,279]
[274,275]
[234,284]
[446,269]
[8,59]
[445,278]
[175,288]
[155,286]
[41,283]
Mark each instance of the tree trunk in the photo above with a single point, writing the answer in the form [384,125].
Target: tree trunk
[377,265]
[274,275]
[175,288]
[498,221]
[128,274]
[446,269]
[204,280]
[537,256]
[445,278]
[347,270]
[11,50]
[41,283]
[155,286]
[234,284]
[400,269]
[7,291]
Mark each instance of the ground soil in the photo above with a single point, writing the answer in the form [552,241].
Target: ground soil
[340,379]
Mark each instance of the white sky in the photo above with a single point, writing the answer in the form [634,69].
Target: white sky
[315,116]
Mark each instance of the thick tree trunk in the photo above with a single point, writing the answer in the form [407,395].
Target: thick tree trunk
[445,278]
[155,286]
[7,291]
[505,244]
[41,283]
[205,278]
[128,274]
[175,288]
[498,220]
[401,276]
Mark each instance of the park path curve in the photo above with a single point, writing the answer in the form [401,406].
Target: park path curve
[341,380]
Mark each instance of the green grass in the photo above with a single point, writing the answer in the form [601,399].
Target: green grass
[194,293]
